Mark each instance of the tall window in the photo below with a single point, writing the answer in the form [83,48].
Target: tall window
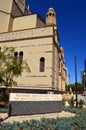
[15,56]
[21,57]
[42,64]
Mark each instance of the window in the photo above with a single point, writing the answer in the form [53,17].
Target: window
[50,14]
[21,57]
[42,64]
[15,56]
[59,62]
[53,15]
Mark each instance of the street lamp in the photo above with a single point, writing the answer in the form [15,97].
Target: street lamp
[76,83]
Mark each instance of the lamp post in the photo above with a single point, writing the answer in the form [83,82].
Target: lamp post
[76,83]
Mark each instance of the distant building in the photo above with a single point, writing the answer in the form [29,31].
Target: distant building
[37,42]
[84,76]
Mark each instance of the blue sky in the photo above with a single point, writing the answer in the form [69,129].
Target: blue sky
[71,21]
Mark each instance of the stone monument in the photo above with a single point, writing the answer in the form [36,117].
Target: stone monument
[28,104]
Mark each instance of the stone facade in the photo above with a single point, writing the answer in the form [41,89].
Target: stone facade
[83,75]
[39,43]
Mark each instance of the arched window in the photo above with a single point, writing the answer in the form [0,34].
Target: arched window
[53,15]
[50,14]
[42,64]
[15,56]
[21,57]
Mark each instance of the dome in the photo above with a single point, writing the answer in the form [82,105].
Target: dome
[51,10]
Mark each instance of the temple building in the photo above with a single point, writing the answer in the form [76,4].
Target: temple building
[37,42]
[83,76]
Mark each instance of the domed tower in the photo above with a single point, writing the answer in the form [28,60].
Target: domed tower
[51,17]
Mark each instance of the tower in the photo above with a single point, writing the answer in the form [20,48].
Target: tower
[51,17]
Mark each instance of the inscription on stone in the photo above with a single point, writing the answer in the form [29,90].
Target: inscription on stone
[35,97]
[27,104]
[26,34]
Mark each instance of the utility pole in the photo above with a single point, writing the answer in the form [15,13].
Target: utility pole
[76,83]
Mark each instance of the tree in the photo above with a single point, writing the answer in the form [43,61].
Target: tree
[10,67]
[80,87]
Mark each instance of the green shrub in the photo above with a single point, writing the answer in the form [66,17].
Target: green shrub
[81,103]
[71,102]
[4,97]
[63,102]
[78,122]
[3,110]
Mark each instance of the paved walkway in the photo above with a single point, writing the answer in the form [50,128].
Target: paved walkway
[11,119]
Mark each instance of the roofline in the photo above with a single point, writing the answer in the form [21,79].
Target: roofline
[32,14]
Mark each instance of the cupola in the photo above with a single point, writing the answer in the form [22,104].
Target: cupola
[51,17]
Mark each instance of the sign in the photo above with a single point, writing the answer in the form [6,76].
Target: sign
[34,97]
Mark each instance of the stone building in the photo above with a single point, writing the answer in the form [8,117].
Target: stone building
[37,42]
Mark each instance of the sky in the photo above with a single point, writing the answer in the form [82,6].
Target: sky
[71,22]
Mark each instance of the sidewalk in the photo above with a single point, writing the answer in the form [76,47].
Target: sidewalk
[11,119]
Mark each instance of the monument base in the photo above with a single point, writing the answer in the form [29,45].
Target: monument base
[28,104]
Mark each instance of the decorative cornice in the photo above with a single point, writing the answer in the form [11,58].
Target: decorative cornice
[24,34]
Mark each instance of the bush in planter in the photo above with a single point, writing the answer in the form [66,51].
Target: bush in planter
[4,96]
[71,102]
[3,110]
[4,100]
[63,102]
[81,103]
